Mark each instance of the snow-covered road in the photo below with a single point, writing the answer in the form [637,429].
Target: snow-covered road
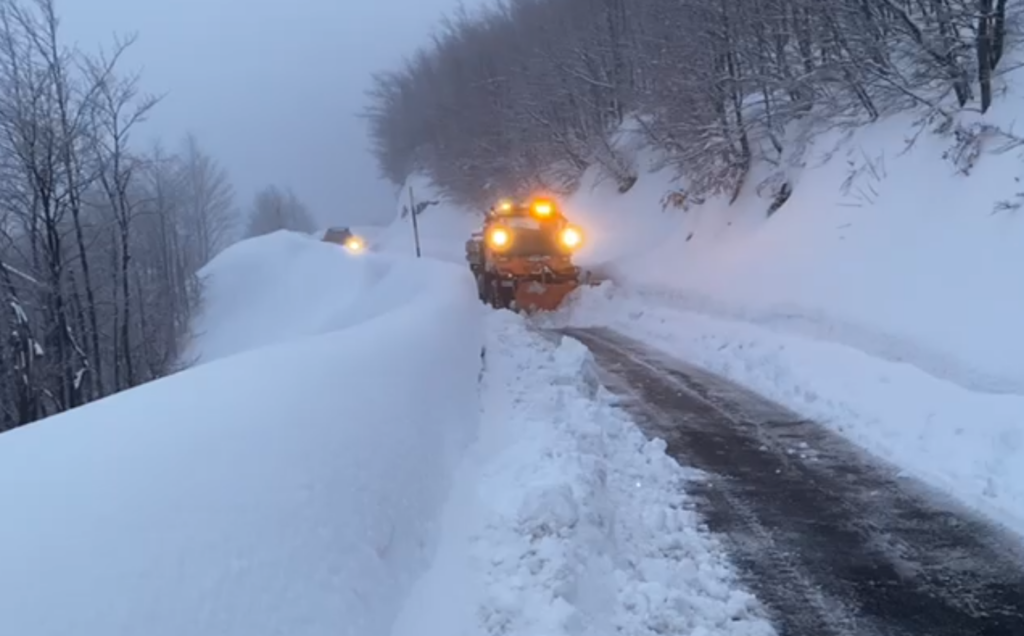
[564,520]
[346,462]
[833,541]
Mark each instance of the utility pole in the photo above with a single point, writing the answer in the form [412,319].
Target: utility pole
[415,223]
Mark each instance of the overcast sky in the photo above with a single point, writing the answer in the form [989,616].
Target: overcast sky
[270,87]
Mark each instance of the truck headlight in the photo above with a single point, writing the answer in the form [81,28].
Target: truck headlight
[499,238]
[572,237]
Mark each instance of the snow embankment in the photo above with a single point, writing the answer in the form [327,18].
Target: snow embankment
[285,286]
[895,254]
[565,520]
[276,288]
[289,489]
[967,443]
[881,298]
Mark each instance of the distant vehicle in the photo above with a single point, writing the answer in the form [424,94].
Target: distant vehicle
[344,237]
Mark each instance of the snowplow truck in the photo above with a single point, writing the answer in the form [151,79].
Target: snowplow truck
[522,257]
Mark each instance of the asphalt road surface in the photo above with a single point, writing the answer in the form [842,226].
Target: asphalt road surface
[832,541]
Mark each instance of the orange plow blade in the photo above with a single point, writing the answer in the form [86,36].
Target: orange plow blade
[533,296]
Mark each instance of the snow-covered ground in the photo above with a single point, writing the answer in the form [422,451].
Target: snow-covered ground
[286,286]
[883,298]
[566,520]
[344,460]
[968,443]
[907,262]
[290,484]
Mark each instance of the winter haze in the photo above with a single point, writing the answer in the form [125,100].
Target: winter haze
[272,89]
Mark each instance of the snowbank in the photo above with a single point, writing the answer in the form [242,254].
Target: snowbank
[566,520]
[277,287]
[967,443]
[621,227]
[283,286]
[905,261]
[288,489]
[880,298]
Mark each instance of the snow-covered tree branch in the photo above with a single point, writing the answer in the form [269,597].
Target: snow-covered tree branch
[531,93]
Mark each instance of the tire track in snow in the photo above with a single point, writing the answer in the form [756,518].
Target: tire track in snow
[833,541]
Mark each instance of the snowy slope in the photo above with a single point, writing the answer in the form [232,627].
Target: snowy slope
[908,263]
[883,298]
[289,485]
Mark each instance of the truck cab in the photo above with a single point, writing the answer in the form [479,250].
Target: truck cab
[522,257]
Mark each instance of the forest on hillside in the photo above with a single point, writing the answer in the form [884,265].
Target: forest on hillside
[530,93]
[101,240]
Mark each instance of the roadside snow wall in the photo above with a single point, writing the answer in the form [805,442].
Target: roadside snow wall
[290,488]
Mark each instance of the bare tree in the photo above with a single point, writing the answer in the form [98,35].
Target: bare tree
[100,243]
[530,93]
[116,109]
[274,209]
[211,215]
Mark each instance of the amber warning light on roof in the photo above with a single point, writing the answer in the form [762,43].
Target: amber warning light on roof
[543,208]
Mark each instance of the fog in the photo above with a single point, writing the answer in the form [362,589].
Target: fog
[271,89]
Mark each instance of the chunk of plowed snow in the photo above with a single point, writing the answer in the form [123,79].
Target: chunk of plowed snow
[566,520]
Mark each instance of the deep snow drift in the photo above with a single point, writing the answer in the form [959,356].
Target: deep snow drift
[276,288]
[291,487]
[566,520]
[286,286]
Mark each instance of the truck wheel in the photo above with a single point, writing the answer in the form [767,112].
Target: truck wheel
[490,290]
[498,294]
[507,297]
[481,286]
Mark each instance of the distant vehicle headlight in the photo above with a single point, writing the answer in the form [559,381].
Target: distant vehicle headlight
[355,244]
